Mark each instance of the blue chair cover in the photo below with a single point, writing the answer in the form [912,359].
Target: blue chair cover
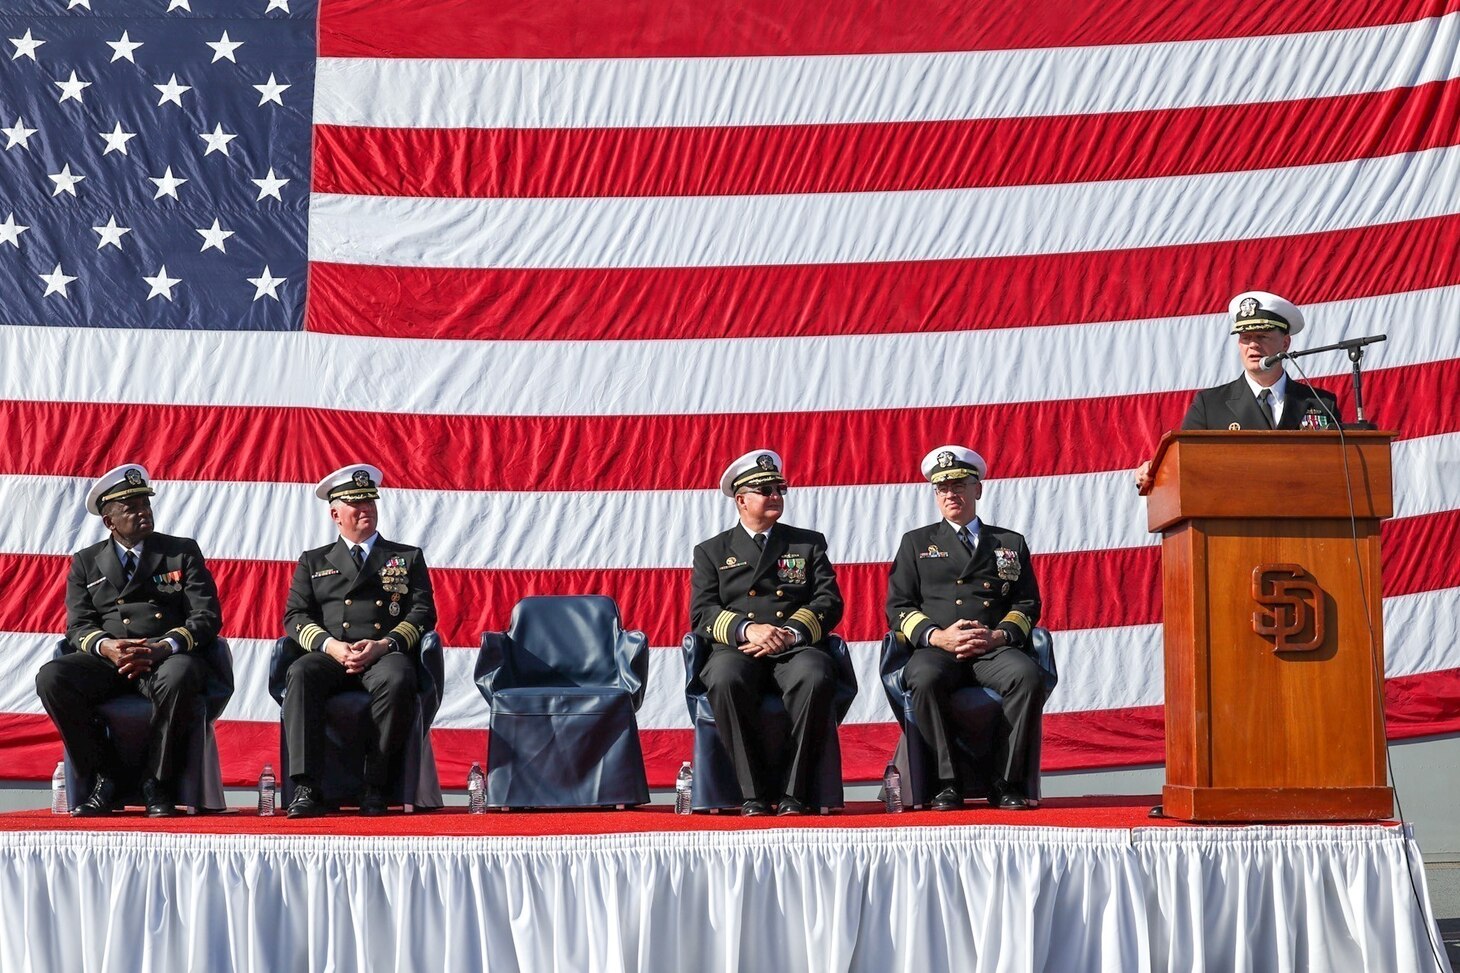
[347,723]
[126,717]
[975,711]
[563,684]
[714,776]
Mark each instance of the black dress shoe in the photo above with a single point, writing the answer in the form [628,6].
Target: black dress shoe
[793,808]
[158,801]
[1007,797]
[372,803]
[101,800]
[307,802]
[948,799]
[755,809]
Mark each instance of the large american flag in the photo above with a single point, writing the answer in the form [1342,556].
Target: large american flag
[552,265]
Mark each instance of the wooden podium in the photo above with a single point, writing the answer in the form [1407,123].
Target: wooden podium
[1274,679]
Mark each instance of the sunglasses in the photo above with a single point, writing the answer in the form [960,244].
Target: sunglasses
[769,490]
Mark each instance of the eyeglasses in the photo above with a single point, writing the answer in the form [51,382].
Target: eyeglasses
[952,486]
[768,490]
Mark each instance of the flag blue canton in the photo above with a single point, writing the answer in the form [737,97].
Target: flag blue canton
[155,163]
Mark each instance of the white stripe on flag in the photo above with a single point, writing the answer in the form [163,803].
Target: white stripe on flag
[941,224]
[671,92]
[628,377]
[1100,669]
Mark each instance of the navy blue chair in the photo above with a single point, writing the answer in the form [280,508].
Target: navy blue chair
[199,785]
[714,785]
[563,684]
[976,710]
[413,782]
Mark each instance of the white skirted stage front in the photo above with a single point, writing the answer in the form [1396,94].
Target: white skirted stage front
[450,891]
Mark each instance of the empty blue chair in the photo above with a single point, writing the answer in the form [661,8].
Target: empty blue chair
[563,684]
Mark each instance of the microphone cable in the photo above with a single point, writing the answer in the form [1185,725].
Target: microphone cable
[1376,668]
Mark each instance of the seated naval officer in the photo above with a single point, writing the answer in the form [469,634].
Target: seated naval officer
[963,593]
[359,607]
[1262,397]
[766,595]
[137,605]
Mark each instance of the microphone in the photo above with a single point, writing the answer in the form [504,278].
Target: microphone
[1349,345]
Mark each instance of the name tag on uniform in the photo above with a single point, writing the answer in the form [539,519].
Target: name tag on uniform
[325,573]
[93,584]
[732,562]
[932,551]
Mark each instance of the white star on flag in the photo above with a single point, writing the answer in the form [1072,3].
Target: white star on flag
[270,185]
[271,90]
[172,91]
[111,234]
[56,283]
[266,285]
[217,140]
[277,5]
[65,181]
[161,285]
[71,88]
[78,3]
[213,237]
[18,134]
[123,48]
[224,48]
[178,5]
[10,231]
[167,184]
[25,46]
[116,139]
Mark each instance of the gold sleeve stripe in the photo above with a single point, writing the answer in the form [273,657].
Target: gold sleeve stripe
[88,643]
[808,618]
[184,636]
[1021,620]
[910,623]
[311,636]
[722,633]
[409,632]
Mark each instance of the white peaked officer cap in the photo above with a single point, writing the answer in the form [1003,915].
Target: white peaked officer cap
[754,468]
[1261,311]
[953,463]
[359,481]
[128,480]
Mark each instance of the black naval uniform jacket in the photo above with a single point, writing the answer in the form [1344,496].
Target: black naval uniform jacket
[1234,406]
[936,582]
[171,594]
[791,583]
[330,598]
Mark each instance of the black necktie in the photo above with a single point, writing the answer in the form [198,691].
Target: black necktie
[358,553]
[967,540]
[129,565]
[1265,400]
[760,541]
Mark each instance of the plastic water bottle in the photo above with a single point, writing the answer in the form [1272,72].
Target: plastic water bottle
[892,788]
[266,792]
[59,804]
[683,789]
[476,790]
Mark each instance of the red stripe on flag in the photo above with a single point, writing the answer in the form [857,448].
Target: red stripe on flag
[1088,589]
[875,298]
[569,453]
[1420,705]
[744,28]
[739,161]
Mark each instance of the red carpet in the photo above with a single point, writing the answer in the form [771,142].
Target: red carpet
[1069,812]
